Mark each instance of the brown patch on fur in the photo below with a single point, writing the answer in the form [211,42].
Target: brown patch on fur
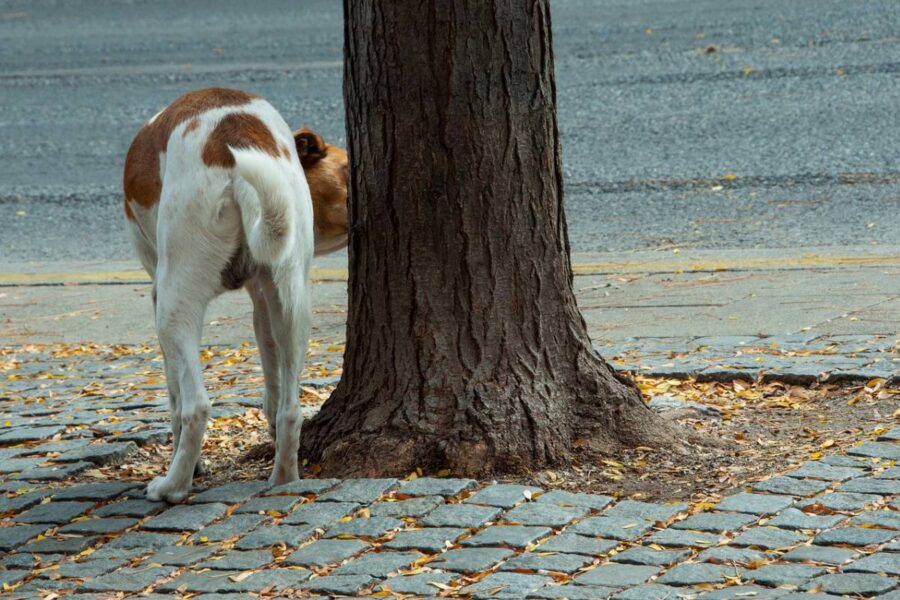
[285,151]
[192,125]
[238,130]
[141,180]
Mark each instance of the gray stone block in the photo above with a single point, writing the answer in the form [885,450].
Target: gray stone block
[888,450]
[470,560]
[502,585]
[414,507]
[99,526]
[182,556]
[842,501]
[887,519]
[417,585]
[571,543]
[697,573]
[231,493]
[649,591]
[646,510]
[880,562]
[321,514]
[339,584]
[378,564]
[616,528]
[23,501]
[550,515]
[429,539]
[742,592]
[94,491]
[89,568]
[238,561]
[641,555]
[816,469]
[234,526]
[564,498]
[52,473]
[362,491]
[867,485]
[211,582]
[617,575]
[716,521]
[302,487]
[755,504]
[515,536]
[268,504]
[67,545]
[819,554]
[111,453]
[504,495]
[784,575]
[852,583]
[145,542]
[730,554]
[137,507]
[130,580]
[273,535]
[769,538]
[373,527]
[678,538]
[536,561]
[854,536]
[322,553]
[461,515]
[791,486]
[572,592]
[30,434]
[797,519]
[54,512]
[186,517]
[431,486]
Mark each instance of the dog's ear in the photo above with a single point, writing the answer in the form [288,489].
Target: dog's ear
[310,146]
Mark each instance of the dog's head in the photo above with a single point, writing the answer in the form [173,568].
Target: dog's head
[328,175]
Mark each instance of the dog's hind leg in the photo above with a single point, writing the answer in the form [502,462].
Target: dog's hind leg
[268,352]
[286,291]
[181,305]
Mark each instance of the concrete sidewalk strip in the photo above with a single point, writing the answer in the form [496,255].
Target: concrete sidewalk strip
[806,315]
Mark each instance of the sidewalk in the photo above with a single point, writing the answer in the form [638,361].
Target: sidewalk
[82,429]
[802,315]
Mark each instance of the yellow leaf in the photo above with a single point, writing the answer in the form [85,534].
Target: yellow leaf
[204,539]
[241,576]
[827,444]
[729,177]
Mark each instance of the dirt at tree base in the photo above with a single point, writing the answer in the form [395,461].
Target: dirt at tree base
[745,433]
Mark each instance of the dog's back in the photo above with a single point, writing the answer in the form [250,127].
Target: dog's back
[224,163]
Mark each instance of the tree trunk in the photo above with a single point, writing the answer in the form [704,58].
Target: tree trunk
[465,348]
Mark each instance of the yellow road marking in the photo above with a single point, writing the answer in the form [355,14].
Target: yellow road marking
[663,265]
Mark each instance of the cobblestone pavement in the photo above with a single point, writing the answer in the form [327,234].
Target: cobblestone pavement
[829,528]
[796,358]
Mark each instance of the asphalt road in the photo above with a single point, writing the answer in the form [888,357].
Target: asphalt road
[685,123]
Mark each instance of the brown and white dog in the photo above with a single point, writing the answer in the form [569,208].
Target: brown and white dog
[220,194]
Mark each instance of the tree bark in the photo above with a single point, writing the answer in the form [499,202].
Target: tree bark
[465,348]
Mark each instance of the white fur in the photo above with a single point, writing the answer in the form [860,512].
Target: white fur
[204,215]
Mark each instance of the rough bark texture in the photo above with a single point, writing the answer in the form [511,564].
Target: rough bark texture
[465,348]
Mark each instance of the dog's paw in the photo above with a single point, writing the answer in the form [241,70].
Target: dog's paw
[161,489]
[282,476]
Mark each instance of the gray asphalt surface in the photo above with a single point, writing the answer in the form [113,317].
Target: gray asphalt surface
[658,100]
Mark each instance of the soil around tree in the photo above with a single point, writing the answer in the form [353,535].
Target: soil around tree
[740,433]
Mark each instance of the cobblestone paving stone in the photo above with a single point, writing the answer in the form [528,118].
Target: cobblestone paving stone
[828,528]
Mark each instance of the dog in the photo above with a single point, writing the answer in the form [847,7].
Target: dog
[219,195]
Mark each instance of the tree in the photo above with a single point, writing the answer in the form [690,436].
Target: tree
[465,348]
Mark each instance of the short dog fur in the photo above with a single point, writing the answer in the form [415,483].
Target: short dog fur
[219,195]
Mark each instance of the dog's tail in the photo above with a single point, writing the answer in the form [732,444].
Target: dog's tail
[264,196]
